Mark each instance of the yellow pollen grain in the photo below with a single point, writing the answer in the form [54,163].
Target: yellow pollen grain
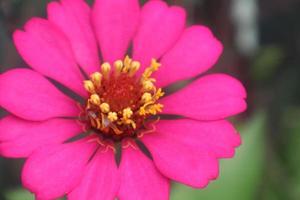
[155,65]
[135,66]
[150,108]
[105,69]
[159,93]
[148,71]
[127,64]
[105,108]
[154,109]
[95,99]
[148,85]
[127,113]
[127,60]
[112,116]
[89,86]
[118,65]
[96,78]
[146,97]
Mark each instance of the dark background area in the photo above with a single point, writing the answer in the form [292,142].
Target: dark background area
[262,48]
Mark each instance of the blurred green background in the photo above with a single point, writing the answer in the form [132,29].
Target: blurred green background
[262,43]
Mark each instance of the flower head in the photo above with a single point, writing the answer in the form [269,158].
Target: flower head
[129,136]
[119,103]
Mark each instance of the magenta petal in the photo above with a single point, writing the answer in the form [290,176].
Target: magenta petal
[115,23]
[100,180]
[159,28]
[187,151]
[29,95]
[212,97]
[55,170]
[48,51]
[73,17]
[140,179]
[19,138]
[196,51]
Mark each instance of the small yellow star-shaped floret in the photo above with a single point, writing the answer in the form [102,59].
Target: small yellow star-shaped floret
[105,108]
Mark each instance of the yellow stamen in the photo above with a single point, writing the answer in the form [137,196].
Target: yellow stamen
[127,63]
[153,67]
[154,109]
[148,85]
[146,97]
[96,79]
[89,86]
[135,66]
[159,93]
[105,108]
[95,99]
[150,108]
[112,116]
[127,113]
[119,66]
[105,69]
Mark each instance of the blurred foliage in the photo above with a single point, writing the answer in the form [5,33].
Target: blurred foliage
[18,194]
[266,63]
[291,150]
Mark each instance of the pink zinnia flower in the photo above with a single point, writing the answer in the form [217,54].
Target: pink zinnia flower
[71,147]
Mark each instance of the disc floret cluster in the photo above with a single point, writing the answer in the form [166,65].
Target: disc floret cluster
[119,102]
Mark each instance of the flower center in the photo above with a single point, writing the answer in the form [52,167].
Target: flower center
[120,102]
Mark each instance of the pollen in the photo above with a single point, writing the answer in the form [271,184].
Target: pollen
[135,66]
[146,97]
[112,116]
[119,66]
[120,100]
[105,108]
[105,69]
[89,86]
[95,99]
[148,85]
[96,79]
[127,113]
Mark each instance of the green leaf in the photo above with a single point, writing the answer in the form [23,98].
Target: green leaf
[239,177]
[267,62]
[18,194]
[21,194]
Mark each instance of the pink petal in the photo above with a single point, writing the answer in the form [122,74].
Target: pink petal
[212,97]
[140,179]
[48,51]
[55,170]
[19,138]
[159,29]
[186,150]
[73,18]
[29,95]
[100,179]
[115,23]
[196,51]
